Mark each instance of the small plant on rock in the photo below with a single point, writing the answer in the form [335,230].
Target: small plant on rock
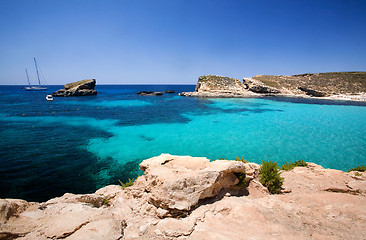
[291,165]
[106,201]
[270,176]
[358,168]
[129,183]
[241,159]
[241,176]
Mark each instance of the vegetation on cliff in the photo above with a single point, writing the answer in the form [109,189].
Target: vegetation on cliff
[358,168]
[292,165]
[270,176]
[330,83]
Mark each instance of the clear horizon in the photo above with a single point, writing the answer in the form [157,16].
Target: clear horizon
[174,42]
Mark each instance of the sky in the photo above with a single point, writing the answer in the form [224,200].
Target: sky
[176,41]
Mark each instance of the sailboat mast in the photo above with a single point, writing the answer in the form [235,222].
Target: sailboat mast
[27,77]
[39,81]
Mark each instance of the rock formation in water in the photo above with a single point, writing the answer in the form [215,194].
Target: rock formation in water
[80,88]
[336,85]
[150,93]
[217,86]
[182,197]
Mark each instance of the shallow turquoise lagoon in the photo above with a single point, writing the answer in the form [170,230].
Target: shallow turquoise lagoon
[80,144]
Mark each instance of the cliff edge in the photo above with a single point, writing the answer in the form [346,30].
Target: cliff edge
[182,197]
[332,85]
[218,86]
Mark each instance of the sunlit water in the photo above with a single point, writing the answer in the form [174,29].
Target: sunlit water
[81,144]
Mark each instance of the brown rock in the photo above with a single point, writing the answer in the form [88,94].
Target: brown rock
[80,88]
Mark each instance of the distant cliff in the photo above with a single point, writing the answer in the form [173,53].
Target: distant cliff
[79,88]
[325,84]
[218,86]
[335,85]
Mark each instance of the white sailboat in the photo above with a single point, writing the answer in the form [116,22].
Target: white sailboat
[35,88]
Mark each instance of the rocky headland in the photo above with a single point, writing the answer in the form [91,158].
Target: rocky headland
[182,197]
[337,85]
[79,88]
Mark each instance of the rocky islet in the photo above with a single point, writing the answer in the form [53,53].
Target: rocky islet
[79,88]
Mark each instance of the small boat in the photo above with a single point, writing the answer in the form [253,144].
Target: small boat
[49,98]
[35,88]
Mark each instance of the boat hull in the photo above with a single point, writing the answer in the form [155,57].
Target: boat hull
[35,88]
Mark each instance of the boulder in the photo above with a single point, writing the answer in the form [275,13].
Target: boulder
[176,184]
[80,88]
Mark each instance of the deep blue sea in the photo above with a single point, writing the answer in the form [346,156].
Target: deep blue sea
[80,144]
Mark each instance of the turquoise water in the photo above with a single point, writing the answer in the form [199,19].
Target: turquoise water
[81,144]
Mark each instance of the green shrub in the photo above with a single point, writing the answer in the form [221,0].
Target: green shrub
[358,168]
[127,184]
[291,165]
[241,160]
[241,176]
[270,176]
[358,174]
[106,201]
[221,158]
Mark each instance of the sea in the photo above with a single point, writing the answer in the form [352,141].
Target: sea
[80,144]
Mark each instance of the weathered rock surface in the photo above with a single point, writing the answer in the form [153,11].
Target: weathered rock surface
[312,93]
[318,84]
[182,197]
[259,87]
[217,86]
[80,88]
[336,85]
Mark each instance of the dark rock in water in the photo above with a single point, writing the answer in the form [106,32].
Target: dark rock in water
[312,93]
[150,93]
[80,88]
[169,91]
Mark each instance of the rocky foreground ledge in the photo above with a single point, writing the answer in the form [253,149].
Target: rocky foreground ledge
[182,197]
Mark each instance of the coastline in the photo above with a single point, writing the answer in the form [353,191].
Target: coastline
[338,86]
[340,97]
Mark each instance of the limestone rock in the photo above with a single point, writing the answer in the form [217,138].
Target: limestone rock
[217,86]
[182,197]
[12,208]
[176,184]
[80,88]
[259,87]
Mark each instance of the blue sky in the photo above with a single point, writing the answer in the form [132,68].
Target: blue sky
[175,41]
